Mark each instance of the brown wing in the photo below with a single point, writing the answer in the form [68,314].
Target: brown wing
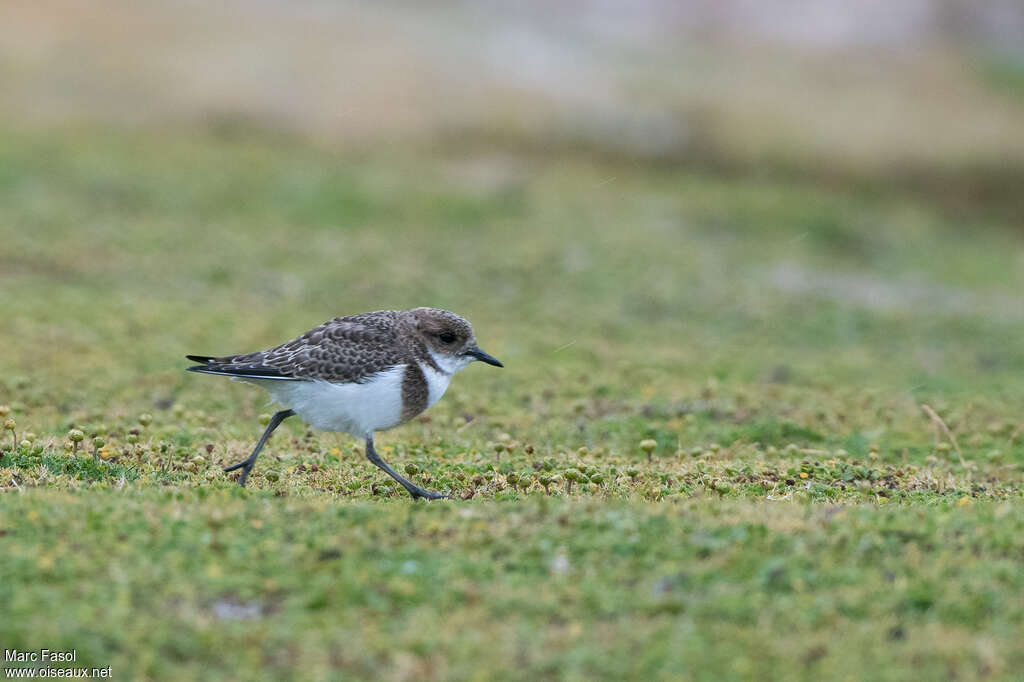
[345,349]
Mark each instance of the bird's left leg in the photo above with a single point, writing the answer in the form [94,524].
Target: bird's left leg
[246,464]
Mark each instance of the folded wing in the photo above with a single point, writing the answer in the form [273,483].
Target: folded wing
[343,350]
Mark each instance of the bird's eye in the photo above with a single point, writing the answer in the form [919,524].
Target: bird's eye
[446,337]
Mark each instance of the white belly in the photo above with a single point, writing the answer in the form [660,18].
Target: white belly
[358,409]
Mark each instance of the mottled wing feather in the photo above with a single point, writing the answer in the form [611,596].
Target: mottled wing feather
[345,349]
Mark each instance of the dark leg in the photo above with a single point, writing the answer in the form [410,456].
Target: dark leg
[246,464]
[413,489]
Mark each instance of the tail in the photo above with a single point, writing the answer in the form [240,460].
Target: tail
[223,367]
[201,359]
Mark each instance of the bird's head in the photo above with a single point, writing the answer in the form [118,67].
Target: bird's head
[449,338]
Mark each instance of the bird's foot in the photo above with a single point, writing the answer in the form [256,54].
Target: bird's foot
[246,466]
[418,492]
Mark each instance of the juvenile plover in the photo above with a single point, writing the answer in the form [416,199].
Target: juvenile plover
[357,374]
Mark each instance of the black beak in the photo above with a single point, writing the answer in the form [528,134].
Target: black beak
[478,354]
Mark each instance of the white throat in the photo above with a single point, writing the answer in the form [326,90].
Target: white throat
[450,364]
[437,381]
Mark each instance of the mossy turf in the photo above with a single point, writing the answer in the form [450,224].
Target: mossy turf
[198,583]
[708,456]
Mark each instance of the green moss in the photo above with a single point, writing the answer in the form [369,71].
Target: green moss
[796,518]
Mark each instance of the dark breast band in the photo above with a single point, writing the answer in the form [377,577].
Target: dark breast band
[414,392]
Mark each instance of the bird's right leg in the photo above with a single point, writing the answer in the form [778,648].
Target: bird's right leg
[414,490]
[246,464]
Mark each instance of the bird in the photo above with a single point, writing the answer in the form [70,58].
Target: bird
[357,374]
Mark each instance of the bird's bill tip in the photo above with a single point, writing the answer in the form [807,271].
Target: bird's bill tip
[480,355]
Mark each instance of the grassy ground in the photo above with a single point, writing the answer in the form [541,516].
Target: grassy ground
[793,513]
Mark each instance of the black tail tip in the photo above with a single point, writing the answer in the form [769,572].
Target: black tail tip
[204,359]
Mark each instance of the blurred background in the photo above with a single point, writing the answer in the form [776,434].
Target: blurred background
[926,94]
[733,190]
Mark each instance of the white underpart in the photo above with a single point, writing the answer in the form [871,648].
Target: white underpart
[437,382]
[358,409]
